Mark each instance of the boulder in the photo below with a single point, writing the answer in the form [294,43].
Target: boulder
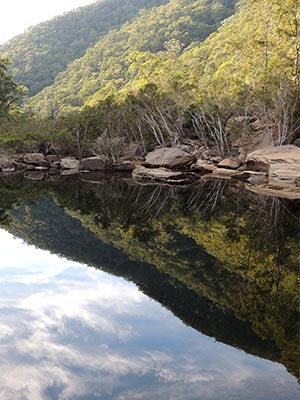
[169,157]
[162,175]
[203,166]
[34,159]
[122,166]
[224,172]
[284,173]
[229,163]
[287,154]
[51,158]
[282,163]
[94,164]
[70,163]
[133,151]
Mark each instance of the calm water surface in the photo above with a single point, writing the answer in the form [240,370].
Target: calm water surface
[103,300]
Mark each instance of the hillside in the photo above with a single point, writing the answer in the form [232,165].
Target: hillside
[43,51]
[106,67]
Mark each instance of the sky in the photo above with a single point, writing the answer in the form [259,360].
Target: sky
[18,15]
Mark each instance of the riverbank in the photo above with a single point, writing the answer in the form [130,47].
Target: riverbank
[273,171]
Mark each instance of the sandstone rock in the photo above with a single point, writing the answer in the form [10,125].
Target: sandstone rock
[162,175]
[284,173]
[51,158]
[297,142]
[229,163]
[133,151]
[216,159]
[224,172]
[6,170]
[33,158]
[70,163]
[169,157]
[94,164]
[203,166]
[122,166]
[287,154]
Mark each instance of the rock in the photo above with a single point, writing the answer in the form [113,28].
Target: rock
[203,166]
[282,163]
[224,172]
[6,170]
[51,158]
[124,166]
[287,154]
[284,173]
[216,159]
[297,142]
[94,164]
[187,148]
[33,159]
[229,163]
[169,157]
[70,163]
[162,175]
[133,151]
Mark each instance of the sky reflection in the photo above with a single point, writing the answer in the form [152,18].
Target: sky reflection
[71,332]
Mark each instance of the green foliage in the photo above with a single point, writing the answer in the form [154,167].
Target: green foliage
[45,50]
[9,90]
[114,60]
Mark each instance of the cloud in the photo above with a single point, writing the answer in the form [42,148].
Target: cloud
[68,331]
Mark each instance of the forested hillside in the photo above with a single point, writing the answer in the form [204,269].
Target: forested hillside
[44,50]
[187,68]
[109,65]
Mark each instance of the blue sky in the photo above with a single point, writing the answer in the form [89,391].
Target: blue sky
[18,15]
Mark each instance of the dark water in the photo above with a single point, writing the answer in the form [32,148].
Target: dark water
[115,291]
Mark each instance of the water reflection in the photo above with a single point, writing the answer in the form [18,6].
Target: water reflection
[224,261]
[72,332]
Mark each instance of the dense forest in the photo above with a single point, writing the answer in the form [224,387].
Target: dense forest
[157,73]
[44,50]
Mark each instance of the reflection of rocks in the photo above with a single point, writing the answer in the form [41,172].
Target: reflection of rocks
[253,177]
[35,176]
[290,193]
[162,175]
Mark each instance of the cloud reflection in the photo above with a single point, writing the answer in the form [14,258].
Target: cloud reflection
[71,332]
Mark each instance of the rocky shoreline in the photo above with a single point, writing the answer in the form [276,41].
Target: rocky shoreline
[273,171]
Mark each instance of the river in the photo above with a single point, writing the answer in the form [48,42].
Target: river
[111,290]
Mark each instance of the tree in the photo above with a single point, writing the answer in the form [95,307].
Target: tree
[9,90]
